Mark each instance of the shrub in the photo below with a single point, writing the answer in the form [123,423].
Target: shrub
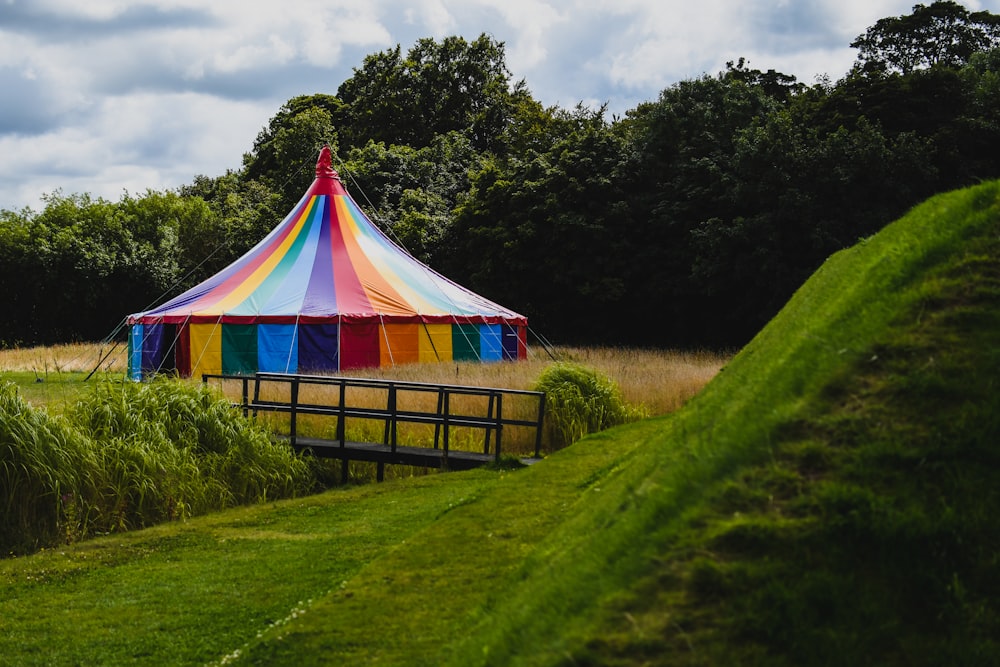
[579,400]
[236,458]
[129,455]
[48,475]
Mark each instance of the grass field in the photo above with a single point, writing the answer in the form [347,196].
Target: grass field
[658,380]
[830,498]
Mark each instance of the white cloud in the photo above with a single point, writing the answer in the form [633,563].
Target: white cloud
[114,95]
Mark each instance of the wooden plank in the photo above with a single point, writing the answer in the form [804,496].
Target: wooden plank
[403,455]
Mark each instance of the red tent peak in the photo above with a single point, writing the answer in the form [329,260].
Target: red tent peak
[324,166]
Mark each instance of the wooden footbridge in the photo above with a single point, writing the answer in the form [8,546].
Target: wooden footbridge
[444,418]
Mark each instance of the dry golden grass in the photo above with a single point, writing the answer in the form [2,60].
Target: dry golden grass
[66,358]
[659,380]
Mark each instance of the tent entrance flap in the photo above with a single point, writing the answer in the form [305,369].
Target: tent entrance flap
[434,343]
[205,342]
[465,342]
[400,344]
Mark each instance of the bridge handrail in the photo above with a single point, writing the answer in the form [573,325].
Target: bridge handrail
[442,418]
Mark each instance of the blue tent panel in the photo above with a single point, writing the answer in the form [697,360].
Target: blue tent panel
[154,344]
[277,348]
[490,342]
[510,342]
[135,352]
[318,348]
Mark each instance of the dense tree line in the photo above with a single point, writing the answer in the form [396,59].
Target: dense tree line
[688,222]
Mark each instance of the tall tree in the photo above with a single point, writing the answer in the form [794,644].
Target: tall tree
[410,193]
[284,155]
[942,33]
[543,234]
[439,87]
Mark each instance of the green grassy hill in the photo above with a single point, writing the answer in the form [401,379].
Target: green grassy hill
[829,499]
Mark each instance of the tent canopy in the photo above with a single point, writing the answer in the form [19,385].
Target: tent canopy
[324,290]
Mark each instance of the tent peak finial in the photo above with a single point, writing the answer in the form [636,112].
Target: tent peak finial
[324,166]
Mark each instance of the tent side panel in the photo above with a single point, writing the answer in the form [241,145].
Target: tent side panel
[135,351]
[522,342]
[318,348]
[435,343]
[465,342]
[399,344]
[277,348]
[512,346]
[183,356]
[168,362]
[359,345]
[158,348]
[152,348]
[239,349]
[491,342]
[205,348]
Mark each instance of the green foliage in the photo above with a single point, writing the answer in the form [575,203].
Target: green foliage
[76,268]
[410,192]
[943,33]
[578,401]
[829,499]
[49,475]
[133,455]
[529,222]
[437,88]
[709,205]
[284,155]
[826,500]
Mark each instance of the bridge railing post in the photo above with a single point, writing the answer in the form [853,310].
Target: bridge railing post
[342,414]
[538,427]
[293,408]
[445,420]
[440,414]
[490,405]
[499,425]
[391,422]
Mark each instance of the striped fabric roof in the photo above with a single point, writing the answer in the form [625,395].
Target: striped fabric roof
[327,261]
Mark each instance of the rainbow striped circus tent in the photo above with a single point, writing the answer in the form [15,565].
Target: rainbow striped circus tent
[324,291]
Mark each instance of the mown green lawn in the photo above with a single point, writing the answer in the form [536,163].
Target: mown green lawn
[195,592]
[829,499]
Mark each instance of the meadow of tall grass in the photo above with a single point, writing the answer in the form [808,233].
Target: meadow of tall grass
[658,380]
[129,455]
[83,452]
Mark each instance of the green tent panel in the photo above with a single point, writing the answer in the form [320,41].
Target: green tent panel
[465,342]
[239,349]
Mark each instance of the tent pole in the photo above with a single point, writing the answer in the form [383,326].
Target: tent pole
[385,335]
[295,338]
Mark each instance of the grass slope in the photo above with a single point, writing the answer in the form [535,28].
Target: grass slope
[826,500]
[829,499]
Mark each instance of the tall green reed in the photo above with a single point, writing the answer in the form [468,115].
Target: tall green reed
[49,473]
[129,455]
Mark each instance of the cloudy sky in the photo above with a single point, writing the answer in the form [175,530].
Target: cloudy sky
[113,96]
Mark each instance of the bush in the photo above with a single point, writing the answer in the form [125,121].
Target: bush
[578,401]
[130,455]
[48,472]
